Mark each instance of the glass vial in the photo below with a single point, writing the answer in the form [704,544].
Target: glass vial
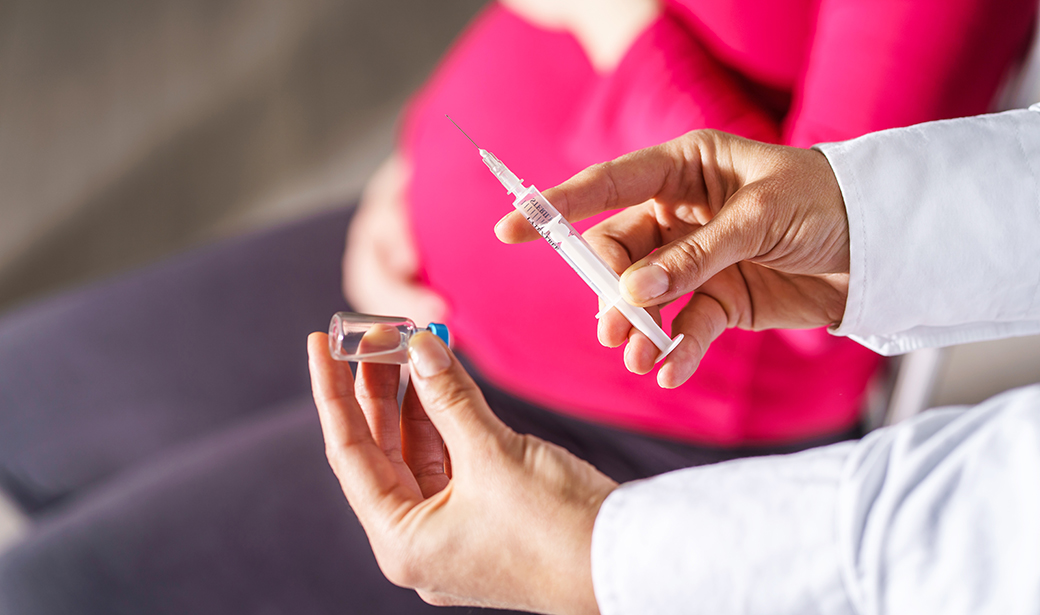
[365,338]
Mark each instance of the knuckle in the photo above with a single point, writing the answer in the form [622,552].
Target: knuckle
[756,209]
[685,261]
[613,197]
[450,393]
[602,177]
[614,252]
[697,347]
[336,456]
[756,203]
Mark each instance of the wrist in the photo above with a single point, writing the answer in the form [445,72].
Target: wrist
[574,582]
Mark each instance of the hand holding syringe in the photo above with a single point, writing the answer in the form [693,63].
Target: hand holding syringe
[569,244]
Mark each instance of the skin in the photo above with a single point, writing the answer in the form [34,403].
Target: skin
[605,29]
[466,511]
[380,263]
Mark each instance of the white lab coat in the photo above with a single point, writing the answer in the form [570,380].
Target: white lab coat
[939,514]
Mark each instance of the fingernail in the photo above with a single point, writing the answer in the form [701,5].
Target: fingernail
[428,355]
[499,225]
[647,283]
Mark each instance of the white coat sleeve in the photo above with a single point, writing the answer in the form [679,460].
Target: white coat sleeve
[935,515]
[944,231]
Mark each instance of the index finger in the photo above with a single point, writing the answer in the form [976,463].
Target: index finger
[367,477]
[664,172]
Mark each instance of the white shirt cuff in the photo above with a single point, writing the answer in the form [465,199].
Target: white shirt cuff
[942,231]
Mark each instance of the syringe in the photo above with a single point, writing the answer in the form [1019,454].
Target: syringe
[569,244]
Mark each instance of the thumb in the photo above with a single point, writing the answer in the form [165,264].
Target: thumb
[685,264]
[452,401]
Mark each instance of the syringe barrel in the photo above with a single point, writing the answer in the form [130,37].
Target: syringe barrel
[535,207]
[603,280]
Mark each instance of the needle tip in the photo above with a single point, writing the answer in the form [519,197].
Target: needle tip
[462,131]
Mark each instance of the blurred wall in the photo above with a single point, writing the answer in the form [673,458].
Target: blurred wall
[131,129]
[971,373]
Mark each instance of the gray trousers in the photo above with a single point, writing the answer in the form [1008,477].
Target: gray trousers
[158,429]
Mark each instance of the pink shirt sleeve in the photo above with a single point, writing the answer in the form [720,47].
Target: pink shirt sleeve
[876,64]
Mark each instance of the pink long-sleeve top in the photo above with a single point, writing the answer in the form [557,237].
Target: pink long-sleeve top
[791,71]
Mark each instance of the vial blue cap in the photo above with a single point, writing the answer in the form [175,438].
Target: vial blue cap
[440,331]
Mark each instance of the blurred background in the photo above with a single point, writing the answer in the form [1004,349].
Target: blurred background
[132,130]
[129,130]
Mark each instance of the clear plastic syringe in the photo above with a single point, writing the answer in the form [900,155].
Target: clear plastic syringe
[569,244]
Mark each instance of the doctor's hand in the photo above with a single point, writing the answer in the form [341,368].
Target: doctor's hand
[757,232]
[455,504]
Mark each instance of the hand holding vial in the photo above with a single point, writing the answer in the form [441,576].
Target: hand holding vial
[533,503]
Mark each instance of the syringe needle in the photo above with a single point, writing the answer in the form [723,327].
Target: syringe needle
[462,131]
